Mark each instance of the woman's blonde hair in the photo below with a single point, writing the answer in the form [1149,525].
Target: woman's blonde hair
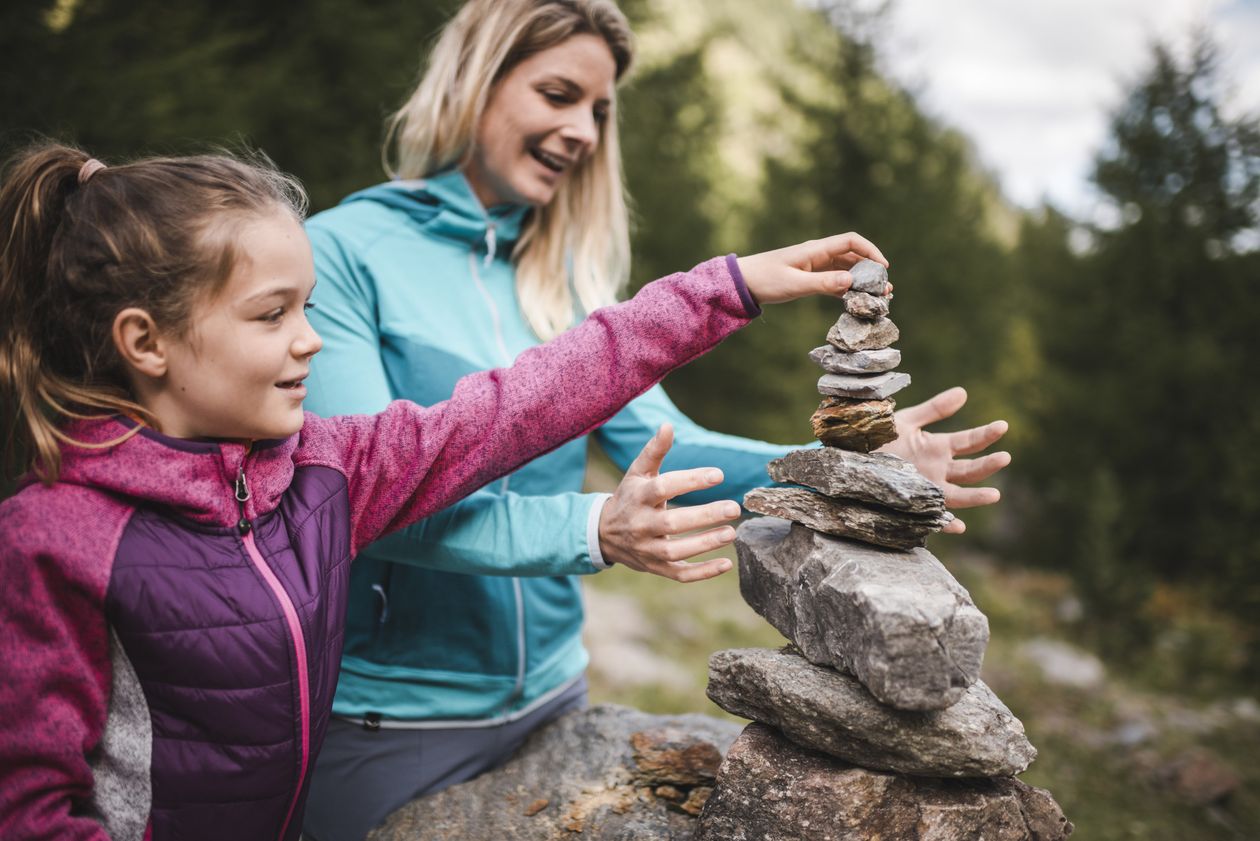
[582,235]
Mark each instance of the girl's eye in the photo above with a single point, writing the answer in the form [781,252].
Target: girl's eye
[556,98]
[309,305]
[601,115]
[274,316]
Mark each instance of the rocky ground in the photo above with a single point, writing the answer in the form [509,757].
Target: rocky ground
[1123,761]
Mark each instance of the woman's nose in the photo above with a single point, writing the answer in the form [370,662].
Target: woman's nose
[582,132]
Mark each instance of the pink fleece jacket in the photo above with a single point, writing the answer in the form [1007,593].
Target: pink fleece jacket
[71,678]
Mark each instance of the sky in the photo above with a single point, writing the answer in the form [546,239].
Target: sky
[1032,82]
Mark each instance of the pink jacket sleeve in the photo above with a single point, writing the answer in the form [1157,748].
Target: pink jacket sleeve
[54,660]
[410,461]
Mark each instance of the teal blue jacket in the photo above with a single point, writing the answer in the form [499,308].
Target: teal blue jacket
[416,289]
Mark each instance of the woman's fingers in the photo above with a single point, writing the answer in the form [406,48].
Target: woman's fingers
[674,549]
[970,471]
[968,441]
[937,408]
[687,518]
[648,461]
[958,497]
[686,573]
[660,489]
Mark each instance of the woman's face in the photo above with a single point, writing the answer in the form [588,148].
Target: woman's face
[543,118]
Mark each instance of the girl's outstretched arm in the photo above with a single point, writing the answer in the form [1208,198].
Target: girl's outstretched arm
[410,461]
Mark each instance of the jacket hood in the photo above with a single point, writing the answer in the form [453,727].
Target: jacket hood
[444,205]
[192,479]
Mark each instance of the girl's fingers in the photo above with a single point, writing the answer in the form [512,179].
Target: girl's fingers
[648,461]
[836,251]
[954,526]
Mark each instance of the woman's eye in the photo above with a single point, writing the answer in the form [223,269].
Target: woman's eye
[601,115]
[555,97]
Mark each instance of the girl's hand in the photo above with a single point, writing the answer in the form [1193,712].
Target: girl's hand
[637,530]
[816,267]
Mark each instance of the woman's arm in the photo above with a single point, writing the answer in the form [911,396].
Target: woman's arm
[487,533]
[410,461]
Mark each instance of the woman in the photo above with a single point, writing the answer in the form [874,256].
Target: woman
[505,224]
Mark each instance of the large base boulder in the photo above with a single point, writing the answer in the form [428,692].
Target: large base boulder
[898,621]
[605,773]
[770,788]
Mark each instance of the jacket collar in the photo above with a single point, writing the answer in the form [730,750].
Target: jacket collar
[444,205]
[193,479]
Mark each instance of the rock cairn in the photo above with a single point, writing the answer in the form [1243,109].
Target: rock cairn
[873,722]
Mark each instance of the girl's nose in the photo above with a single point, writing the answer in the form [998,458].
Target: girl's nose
[308,343]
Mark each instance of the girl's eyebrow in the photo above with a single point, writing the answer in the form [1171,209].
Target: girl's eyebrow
[273,292]
[278,291]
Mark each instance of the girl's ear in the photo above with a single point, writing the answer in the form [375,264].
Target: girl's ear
[138,342]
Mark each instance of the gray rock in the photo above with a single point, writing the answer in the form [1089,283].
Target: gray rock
[859,362]
[850,334]
[898,621]
[861,425]
[863,386]
[846,518]
[604,773]
[879,478]
[869,277]
[1064,664]
[826,710]
[769,788]
[866,306]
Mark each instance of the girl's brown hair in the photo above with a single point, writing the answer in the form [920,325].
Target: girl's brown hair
[155,234]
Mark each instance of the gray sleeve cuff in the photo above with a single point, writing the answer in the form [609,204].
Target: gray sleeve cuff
[592,532]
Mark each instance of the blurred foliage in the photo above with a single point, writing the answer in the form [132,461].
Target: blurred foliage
[1145,465]
[1125,366]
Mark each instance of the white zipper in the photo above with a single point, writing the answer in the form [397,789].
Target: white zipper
[518,591]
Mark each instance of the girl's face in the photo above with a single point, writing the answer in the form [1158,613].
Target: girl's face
[543,118]
[238,373]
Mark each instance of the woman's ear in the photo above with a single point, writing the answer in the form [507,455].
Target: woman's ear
[138,342]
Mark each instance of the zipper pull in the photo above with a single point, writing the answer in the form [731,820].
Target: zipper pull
[242,496]
[491,245]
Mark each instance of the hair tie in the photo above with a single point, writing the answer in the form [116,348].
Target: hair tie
[90,167]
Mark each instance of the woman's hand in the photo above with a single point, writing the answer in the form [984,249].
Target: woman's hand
[934,453]
[816,267]
[638,530]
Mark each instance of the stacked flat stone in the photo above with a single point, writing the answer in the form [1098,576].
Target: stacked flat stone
[877,703]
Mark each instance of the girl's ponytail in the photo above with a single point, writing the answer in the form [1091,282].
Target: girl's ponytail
[36,188]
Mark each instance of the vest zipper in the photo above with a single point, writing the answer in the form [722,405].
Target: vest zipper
[518,590]
[295,634]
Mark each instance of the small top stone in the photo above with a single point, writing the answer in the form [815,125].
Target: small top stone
[869,277]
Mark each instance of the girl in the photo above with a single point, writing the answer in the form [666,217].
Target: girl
[508,193]
[177,564]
